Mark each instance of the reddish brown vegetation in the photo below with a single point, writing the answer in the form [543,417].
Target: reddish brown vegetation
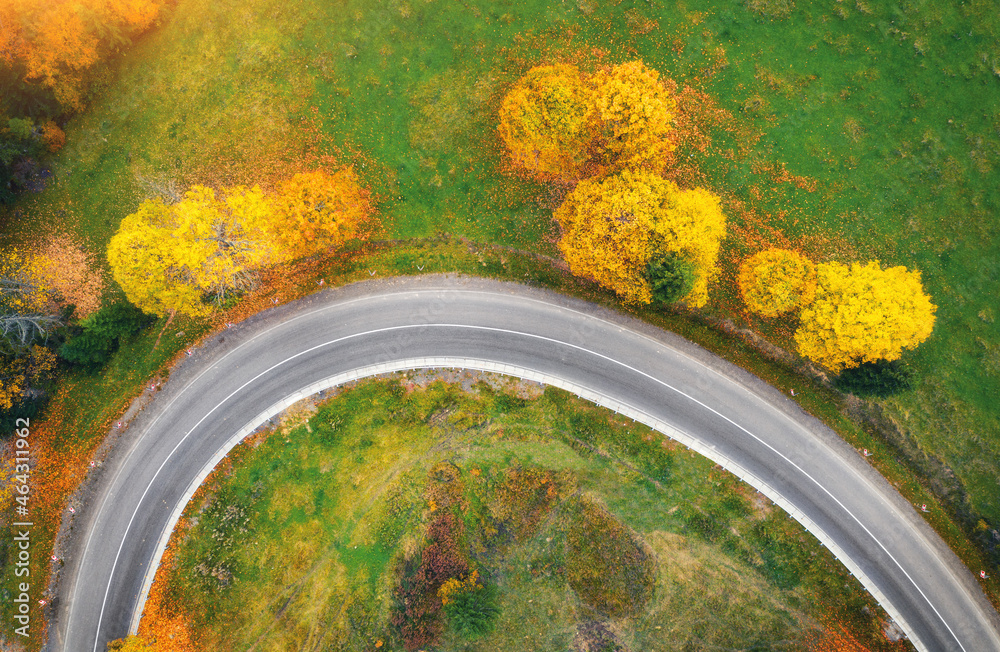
[608,566]
[522,499]
[418,615]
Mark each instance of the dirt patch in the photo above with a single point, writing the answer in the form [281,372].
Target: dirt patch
[594,636]
[469,379]
[297,414]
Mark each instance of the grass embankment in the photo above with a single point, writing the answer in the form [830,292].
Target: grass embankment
[859,129]
[587,526]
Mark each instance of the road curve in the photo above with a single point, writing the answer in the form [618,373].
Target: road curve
[250,372]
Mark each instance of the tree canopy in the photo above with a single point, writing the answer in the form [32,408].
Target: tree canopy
[692,225]
[34,287]
[57,44]
[132,644]
[50,53]
[636,114]
[67,271]
[546,121]
[612,227]
[316,211]
[607,226]
[864,313]
[671,277]
[21,143]
[99,335]
[21,372]
[181,257]
[556,120]
[776,281]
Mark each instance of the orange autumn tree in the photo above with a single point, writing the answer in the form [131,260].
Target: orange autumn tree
[546,121]
[58,44]
[316,211]
[776,281]
[183,257]
[612,227]
[53,136]
[864,313]
[636,114]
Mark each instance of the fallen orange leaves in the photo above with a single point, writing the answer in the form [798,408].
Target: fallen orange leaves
[164,622]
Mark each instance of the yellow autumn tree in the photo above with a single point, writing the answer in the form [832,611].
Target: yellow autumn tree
[317,211]
[546,121]
[864,313]
[692,225]
[607,228]
[18,373]
[612,227]
[184,256]
[776,281]
[636,114]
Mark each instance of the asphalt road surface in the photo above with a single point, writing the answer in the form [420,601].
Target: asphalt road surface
[249,373]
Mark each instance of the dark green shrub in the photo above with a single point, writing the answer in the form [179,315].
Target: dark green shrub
[671,277]
[881,378]
[472,614]
[101,334]
[506,403]
[120,320]
[88,349]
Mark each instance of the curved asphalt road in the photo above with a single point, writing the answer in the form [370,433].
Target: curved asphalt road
[250,372]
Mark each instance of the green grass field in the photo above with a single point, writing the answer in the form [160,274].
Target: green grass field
[299,545]
[892,109]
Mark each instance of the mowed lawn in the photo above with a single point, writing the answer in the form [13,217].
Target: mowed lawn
[861,130]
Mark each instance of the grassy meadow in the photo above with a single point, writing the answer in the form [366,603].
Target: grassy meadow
[308,538]
[849,129]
